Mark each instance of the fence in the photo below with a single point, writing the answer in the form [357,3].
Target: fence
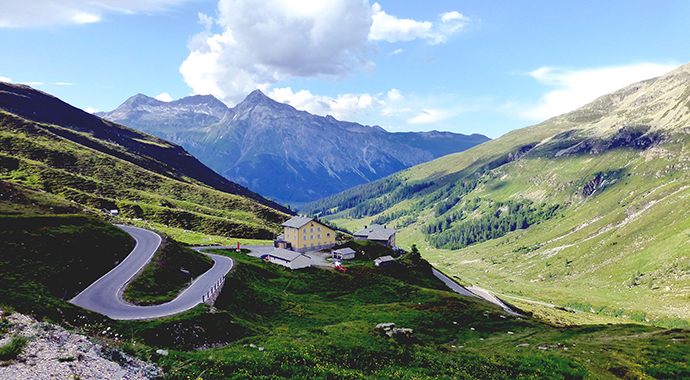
[212,294]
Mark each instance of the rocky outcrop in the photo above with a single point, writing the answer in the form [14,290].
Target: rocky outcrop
[52,352]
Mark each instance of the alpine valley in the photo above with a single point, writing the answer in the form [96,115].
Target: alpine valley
[275,150]
[588,210]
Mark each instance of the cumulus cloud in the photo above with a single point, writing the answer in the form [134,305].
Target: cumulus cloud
[392,29]
[344,107]
[5,79]
[575,88]
[257,44]
[394,95]
[164,97]
[40,13]
[264,42]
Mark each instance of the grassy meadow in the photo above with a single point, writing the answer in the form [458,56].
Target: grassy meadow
[316,323]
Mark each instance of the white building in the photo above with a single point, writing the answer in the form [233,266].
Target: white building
[344,254]
[289,259]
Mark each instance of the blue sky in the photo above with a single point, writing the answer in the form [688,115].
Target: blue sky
[464,66]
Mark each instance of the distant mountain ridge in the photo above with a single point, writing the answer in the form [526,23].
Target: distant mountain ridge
[280,152]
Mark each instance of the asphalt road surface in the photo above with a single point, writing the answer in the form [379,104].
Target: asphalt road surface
[105,295]
[472,291]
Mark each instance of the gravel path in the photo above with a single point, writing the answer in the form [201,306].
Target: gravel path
[54,353]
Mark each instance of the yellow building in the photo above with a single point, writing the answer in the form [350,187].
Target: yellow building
[304,234]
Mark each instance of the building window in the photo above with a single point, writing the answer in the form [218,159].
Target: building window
[294,237]
[319,244]
[319,229]
[312,244]
[305,237]
[288,236]
[319,236]
[304,246]
[312,229]
[328,234]
[312,237]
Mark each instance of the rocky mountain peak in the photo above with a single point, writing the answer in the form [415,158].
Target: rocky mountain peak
[138,100]
[257,99]
[261,142]
[205,106]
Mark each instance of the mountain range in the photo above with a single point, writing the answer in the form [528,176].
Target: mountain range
[57,158]
[587,209]
[288,155]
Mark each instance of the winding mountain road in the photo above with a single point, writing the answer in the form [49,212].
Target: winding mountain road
[472,291]
[105,294]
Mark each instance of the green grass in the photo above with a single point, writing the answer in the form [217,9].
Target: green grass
[70,171]
[172,268]
[617,241]
[46,260]
[316,323]
[193,238]
[11,350]
[320,324]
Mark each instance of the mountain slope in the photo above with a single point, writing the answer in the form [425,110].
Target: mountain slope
[50,146]
[261,143]
[587,208]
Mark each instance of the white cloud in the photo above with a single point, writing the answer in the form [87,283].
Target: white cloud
[265,42]
[344,107]
[392,29]
[5,79]
[164,97]
[394,95]
[430,116]
[41,13]
[32,83]
[397,51]
[261,43]
[91,110]
[451,16]
[575,88]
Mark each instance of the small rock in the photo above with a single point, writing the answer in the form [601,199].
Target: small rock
[162,352]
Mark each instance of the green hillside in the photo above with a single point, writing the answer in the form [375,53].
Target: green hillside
[587,210]
[275,323]
[55,158]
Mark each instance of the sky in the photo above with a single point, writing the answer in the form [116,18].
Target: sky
[470,66]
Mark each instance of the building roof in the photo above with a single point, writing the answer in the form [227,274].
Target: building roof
[285,254]
[376,232]
[297,221]
[345,250]
[383,259]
